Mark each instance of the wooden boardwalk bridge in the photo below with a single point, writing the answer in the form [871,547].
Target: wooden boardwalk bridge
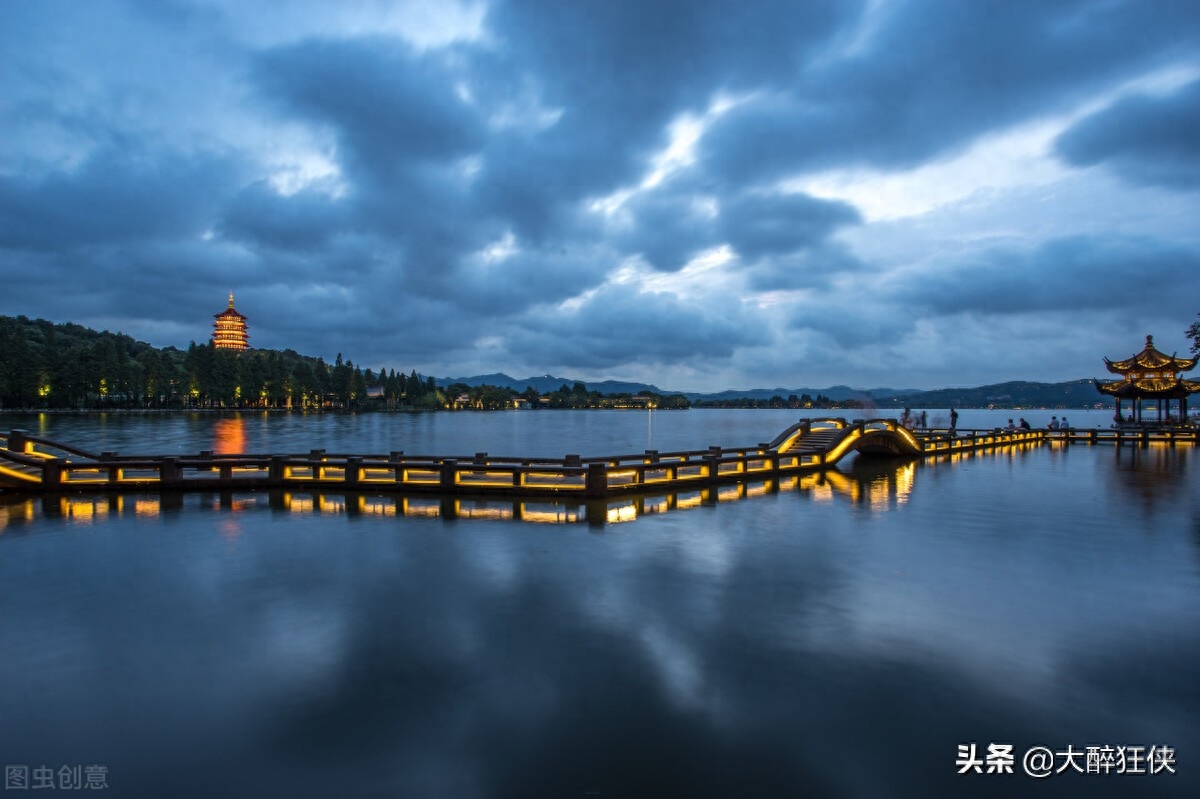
[34,465]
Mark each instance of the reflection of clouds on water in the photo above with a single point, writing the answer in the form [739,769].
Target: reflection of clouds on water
[678,667]
[772,637]
[304,643]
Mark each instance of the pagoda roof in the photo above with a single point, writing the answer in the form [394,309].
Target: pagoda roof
[1149,387]
[1150,359]
[230,311]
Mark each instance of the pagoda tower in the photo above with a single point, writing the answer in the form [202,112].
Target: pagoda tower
[229,329]
[1150,375]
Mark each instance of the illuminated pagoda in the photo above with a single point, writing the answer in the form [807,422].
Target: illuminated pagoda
[229,329]
[1150,375]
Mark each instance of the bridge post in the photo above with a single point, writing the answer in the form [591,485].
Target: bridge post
[52,472]
[449,479]
[713,463]
[353,471]
[18,441]
[318,471]
[275,469]
[115,473]
[596,483]
[651,456]
[481,458]
[169,471]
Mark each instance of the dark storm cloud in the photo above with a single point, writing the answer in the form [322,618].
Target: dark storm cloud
[852,320]
[363,193]
[668,229]
[620,326]
[401,131]
[1153,140]
[535,277]
[130,288]
[938,74]
[759,225]
[817,267]
[1109,274]
[306,220]
[129,194]
[672,225]
[389,106]
[619,73]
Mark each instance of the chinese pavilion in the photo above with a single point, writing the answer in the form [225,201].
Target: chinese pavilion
[1150,375]
[229,329]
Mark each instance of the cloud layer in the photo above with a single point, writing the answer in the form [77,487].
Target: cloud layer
[692,194]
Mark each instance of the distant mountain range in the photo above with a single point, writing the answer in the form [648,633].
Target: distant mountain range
[1070,394]
[544,384]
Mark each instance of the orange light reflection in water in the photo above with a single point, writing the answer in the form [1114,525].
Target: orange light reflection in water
[230,436]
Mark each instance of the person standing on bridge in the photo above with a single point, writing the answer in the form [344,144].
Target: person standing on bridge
[953,421]
[924,420]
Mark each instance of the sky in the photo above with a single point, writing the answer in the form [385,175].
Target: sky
[701,195]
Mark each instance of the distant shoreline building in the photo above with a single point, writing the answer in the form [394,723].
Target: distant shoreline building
[229,329]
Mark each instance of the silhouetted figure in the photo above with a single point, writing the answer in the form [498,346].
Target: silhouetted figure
[1053,423]
[1023,425]
[953,420]
[924,420]
[1010,427]
[1063,424]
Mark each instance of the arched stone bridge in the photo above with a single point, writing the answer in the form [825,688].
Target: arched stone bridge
[836,438]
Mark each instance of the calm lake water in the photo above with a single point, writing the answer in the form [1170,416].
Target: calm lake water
[842,636]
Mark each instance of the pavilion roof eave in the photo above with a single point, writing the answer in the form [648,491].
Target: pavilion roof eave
[1152,359]
[1148,389]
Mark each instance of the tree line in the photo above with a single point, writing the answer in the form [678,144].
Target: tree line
[777,401]
[48,365]
[577,396]
[68,366]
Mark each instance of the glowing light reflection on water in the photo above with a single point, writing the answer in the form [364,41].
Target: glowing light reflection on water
[765,641]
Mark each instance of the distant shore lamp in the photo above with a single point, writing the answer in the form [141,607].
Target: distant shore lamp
[229,329]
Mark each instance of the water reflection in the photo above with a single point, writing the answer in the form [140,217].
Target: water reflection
[1152,475]
[229,436]
[763,643]
[877,485]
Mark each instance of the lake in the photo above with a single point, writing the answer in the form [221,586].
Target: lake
[857,634]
